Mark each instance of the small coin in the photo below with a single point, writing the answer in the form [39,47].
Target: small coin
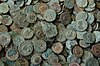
[17,40]
[70,33]
[89,37]
[74,64]
[96,50]
[92,62]
[57,47]
[77,51]
[4,8]
[3,28]
[40,46]
[49,15]
[36,59]
[27,33]
[81,25]
[25,48]
[5,38]
[6,20]
[12,54]
[81,15]
[82,3]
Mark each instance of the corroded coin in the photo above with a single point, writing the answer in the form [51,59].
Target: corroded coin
[89,37]
[12,54]
[77,51]
[90,18]
[92,62]
[96,50]
[40,45]
[5,38]
[57,47]
[49,15]
[82,3]
[25,48]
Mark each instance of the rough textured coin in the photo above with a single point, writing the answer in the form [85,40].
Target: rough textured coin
[49,29]
[89,37]
[36,59]
[27,33]
[74,64]
[77,51]
[82,3]
[81,25]
[4,8]
[3,28]
[25,48]
[40,45]
[18,39]
[69,4]
[6,20]
[70,33]
[81,15]
[92,62]
[90,18]
[5,38]
[96,50]
[12,54]
[57,47]
[49,15]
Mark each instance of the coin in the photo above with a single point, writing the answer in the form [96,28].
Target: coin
[77,51]
[81,15]
[74,64]
[96,50]
[82,3]
[92,62]
[26,33]
[98,16]
[70,34]
[12,54]
[6,20]
[49,15]
[3,28]
[25,48]
[89,37]
[97,34]
[40,46]
[17,40]
[36,59]
[57,47]
[5,38]
[83,44]
[81,25]
[80,34]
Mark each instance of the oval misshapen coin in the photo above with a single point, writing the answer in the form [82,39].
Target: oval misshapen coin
[70,34]
[81,25]
[57,47]
[25,48]
[92,62]
[27,33]
[40,45]
[36,59]
[49,15]
[17,40]
[82,3]
[77,51]
[6,20]
[89,37]
[81,15]
[90,18]
[12,54]
[3,28]
[96,50]
[4,8]
[5,38]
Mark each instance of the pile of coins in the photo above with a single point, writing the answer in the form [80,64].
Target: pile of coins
[49,32]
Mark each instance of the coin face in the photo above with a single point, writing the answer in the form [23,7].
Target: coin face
[92,62]
[12,54]
[40,45]
[81,25]
[25,48]
[89,37]
[49,15]
[5,38]
[82,3]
